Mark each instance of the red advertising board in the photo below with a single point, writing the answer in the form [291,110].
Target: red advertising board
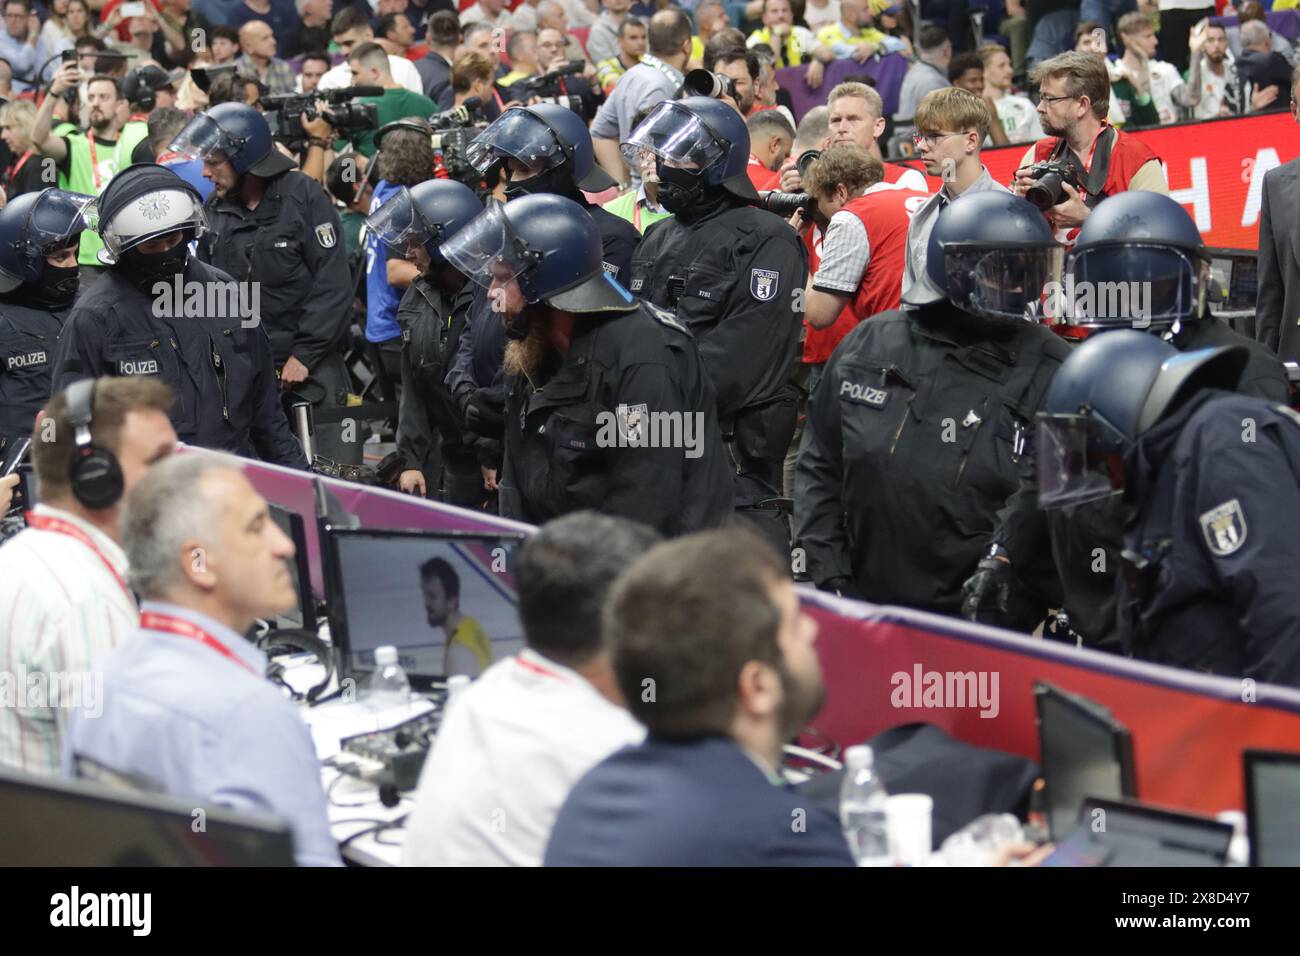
[1215,168]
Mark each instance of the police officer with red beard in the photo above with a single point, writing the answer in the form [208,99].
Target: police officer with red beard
[608,407]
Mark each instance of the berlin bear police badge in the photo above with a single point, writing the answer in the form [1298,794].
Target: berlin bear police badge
[763,284]
[325,235]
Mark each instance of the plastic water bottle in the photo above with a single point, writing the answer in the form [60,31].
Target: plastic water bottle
[862,809]
[388,685]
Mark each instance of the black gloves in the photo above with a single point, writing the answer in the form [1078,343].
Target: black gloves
[995,595]
[485,413]
[842,587]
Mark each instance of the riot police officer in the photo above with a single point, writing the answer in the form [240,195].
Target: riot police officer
[1139,262]
[547,149]
[39,236]
[1211,499]
[158,311]
[270,224]
[432,315]
[729,271]
[608,406]
[921,428]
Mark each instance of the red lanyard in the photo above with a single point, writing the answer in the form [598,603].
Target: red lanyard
[154,621]
[59,526]
[18,166]
[537,669]
[94,163]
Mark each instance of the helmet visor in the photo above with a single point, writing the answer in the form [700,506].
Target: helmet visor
[1130,286]
[489,250]
[202,137]
[1074,464]
[150,217]
[56,221]
[398,224]
[519,134]
[677,137]
[1002,283]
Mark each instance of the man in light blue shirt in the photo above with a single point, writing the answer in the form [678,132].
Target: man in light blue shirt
[185,704]
[20,44]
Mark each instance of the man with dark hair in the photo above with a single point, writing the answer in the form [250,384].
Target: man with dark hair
[225,45]
[743,68]
[468,650]
[770,139]
[714,655]
[314,66]
[350,29]
[523,733]
[966,71]
[631,47]
[435,66]
[370,67]
[394,32]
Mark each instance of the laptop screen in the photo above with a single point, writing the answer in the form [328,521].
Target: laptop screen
[1084,753]
[1273,807]
[447,602]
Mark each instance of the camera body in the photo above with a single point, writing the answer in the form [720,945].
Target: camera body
[453,131]
[1050,175]
[348,115]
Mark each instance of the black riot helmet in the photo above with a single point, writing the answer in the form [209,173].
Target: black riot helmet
[993,255]
[1110,391]
[1138,262]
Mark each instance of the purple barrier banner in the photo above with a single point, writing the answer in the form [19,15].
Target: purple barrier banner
[1283,22]
[887,71]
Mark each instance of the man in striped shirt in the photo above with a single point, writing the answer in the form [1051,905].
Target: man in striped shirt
[64,603]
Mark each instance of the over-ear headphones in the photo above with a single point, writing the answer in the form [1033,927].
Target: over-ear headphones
[94,474]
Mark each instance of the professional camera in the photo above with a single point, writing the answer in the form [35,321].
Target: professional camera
[1051,174]
[786,205]
[450,134]
[701,82]
[348,116]
[383,475]
[547,87]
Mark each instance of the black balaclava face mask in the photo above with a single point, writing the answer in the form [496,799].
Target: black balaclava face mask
[56,287]
[557,181]
[146,270]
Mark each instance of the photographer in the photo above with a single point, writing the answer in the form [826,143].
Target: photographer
[1093,159]
[572,81]
[370,67]
[857,271]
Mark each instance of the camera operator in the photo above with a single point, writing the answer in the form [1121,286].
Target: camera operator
[574,88]
[273,225]
[1093,159]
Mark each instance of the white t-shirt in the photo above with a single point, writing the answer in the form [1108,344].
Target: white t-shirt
[1214,89]
[507,755]
[403,71]
[1019,118]
[1165,78]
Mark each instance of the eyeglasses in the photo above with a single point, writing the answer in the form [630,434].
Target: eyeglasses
[932,137]
[1055,99]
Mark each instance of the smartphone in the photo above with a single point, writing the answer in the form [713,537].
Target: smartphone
[14,456]
[68,56]
[132,10]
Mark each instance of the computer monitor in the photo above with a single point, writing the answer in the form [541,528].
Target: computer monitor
[1128,833]
[1084,753]
[1273,807]
[415,590]
[54,822]
[304,615]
